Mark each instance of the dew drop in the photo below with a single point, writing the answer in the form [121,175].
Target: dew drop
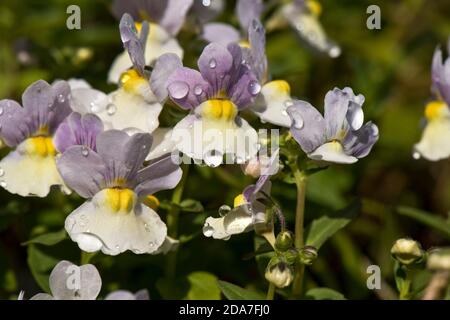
[298,122]
[1,110]
[208,230]
[3,184]
[111,109]
[416,155]
[206,3]
[198,90]
[85,153]
[151,244]
[94,107]
[223,210]
[212,63]
[61,98]
[117,247]
[254,87]
[178,89]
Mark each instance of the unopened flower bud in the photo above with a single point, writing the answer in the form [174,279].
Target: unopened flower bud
[407,251]
[439,259]
[308,254]
[291,256]
[252,168]
[284,241]
[280,274]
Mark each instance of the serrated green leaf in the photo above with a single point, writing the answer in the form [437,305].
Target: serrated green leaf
[234,292]
[321,229]
[426,218]
[324,294]
[48,239]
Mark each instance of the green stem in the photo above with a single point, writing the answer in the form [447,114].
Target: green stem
[86,257]
[172,221]
[270,292]
[406,287]
[300,181]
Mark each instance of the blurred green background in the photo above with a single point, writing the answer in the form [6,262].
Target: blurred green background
[391,67]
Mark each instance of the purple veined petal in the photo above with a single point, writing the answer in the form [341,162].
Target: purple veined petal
[124,155]
[244,90]
[335,112]
[136,53]
[161,174]
[127,29]
[359,143]
[220,32]
[82,170]
[308,126]
[257,59]
[204,13]
[165,65]
[436,67]
[247,11]
[61,106]
[78,130]
[216,66]
[440,74]
[13,120]
[187,88]
[175,15]
[140,9]
[134,45]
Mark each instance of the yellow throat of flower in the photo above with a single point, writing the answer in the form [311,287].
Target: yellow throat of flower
[132,82]
[314,7]
[120,200]
[217,109]
[152,202]
[239,200]
[41,146]
[435,110]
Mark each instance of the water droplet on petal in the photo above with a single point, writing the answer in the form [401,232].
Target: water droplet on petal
[178,89]
[206,3]
[298,122]
[61,98]
[94,107]
[198,90]
[284,113]
[151,244]
[212,63]
[208,230]
[117,247]
[254,87]
[1,111]
[85,153]
[223,210]
[335,52]
[416,155]
[111,109]
[3,184]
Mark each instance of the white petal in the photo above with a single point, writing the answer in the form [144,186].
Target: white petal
[128,110]
[87,100]
[28,174]
[272,103]
[139,230]
[158,43]
[168,245]
[120,295]
[332,152]
[162,143]
[435,142]
[78,84]
[198,138]
[42,296]
[237,221]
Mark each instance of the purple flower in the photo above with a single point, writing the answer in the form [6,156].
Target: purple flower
[224,85]
[115,181]
[339,136]
[434,144]
[29,129]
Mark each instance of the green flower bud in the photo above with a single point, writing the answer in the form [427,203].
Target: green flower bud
[308,254]
[407,251]
[280,274]
[439,259]
[291,256]
[285,240]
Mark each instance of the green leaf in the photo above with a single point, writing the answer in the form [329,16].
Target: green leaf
[324,294]
[40,265]
[234,292]
[203,286]
[48,239]
[426,218]
[321,229]
[191,205]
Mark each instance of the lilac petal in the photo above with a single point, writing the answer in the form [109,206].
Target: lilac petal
[440,74]
[359,143]
[82,170]
[140,9]
[142,295]
[61,106]
[12,123]
[308,126]
[187,88]
[162,174]
[257,59]
[132,43]
[175,15]
[336,107]
[207,13]
[244,90]
[247,11]
[120,295]
[220,32]
[165,65]
[124,155]
[78,130]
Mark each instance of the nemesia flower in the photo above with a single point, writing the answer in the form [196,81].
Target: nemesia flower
[30,169]
[116,183]
[127,295]
[224,86]
[70,282]
[339,136]
[434,144]
[166,17]
[249,210]
[303,16]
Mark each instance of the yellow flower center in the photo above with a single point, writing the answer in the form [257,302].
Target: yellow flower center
[41,146]
[219,110]
[435,110]
[152,202]
[314,7]
[279,86]
[244,44]
[131,81]
[239,200]
[120,200]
